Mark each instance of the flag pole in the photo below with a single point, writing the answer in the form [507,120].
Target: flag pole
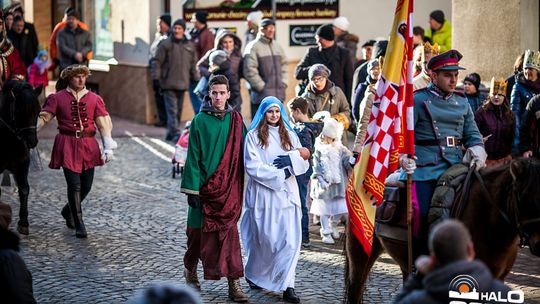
[409,223]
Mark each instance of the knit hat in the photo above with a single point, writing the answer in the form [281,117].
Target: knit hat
[438,16]
[255,17]
[372,64]
[379,48]
[332,128]
[72,13]
[201,16]
[218,57]
[166,18]
[318,70]
[326,31]
[341,23]
[473,78]
[267,22]
[180,22]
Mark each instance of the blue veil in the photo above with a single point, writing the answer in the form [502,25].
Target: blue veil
[267,103]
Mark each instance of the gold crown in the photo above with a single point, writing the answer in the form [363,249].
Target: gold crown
[532,59]
[498,86]
[431,50]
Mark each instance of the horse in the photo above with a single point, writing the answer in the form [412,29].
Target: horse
[19,110]
[503,210]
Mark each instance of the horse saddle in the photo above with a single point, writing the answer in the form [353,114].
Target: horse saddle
[448,201]
[391,214]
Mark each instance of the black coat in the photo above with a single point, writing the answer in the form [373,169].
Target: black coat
[529,131]
[336,59]
[433,289]
[15,279]
[25,44]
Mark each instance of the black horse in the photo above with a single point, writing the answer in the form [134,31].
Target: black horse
[19,110]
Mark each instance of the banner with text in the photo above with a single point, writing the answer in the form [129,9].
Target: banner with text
[219,10]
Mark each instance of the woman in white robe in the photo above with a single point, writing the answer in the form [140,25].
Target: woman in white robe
[271,223]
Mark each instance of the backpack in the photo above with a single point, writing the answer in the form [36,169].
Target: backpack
[449,186]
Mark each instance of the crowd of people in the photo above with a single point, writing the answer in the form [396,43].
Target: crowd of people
[293,152]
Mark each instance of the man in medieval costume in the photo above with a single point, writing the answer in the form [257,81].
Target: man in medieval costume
[213,179]
[11,64]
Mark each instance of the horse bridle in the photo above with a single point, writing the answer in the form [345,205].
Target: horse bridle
[13,126]
[519,224]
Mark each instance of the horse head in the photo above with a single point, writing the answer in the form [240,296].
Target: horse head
[526,199]
[19,107]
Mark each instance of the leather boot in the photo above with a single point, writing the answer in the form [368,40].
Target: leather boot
[192,279]
[235,291]
[74,200]
[66,214]
[290,296]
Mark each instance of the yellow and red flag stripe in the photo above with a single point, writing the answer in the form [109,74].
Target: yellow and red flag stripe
[390,130]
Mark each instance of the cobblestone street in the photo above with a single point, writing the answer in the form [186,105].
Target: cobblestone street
[135,217]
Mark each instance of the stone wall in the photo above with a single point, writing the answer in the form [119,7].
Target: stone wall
[492,33]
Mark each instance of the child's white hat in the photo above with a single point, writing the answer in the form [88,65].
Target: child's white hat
[332,128]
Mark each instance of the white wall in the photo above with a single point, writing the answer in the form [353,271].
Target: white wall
[369,19]
[137,34]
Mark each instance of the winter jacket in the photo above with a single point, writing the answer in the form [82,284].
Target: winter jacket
[72,41]
[15,279]
[529,132]
[336,59]
[361,129]
[475,100]
[307,132]
[491,121]
[434,288]
[203,40]
[176,64]
[522,92]
[35,78]
[336,103]
[265,68]
[24,43]
[443,36]
[158,38]
[329,161]
[235,57]
[234,85]
[350,42]
[359,96]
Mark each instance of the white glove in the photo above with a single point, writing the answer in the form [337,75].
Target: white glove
[107,155]
[322,183]
[407,164]
[475,155]
[108,146]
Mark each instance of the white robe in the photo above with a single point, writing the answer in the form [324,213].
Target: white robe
[271,223]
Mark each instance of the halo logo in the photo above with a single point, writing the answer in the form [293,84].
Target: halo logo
[464,287]
[464,290]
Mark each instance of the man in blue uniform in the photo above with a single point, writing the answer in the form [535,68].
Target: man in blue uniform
[443,123]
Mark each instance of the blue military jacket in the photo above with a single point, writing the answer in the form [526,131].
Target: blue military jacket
[437,117]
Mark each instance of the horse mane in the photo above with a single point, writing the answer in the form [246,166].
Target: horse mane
[16,85]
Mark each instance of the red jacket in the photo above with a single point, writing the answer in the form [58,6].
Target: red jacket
[15,68]
[35,78]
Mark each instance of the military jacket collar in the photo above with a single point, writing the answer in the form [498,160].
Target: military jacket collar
[438,92]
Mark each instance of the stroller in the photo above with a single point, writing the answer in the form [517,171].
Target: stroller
[180,151]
